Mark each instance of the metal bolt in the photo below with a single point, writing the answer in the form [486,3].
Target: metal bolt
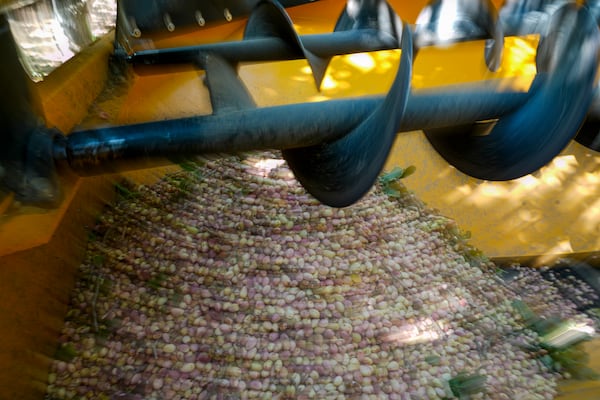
[134,31]
[168,22]
[200,19]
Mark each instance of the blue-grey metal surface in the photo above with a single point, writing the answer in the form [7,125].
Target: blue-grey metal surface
[113,149]
[270,35]
[26,162]
[375,15]
[269,19]
[340,172]
[594,7]
[227,92]
[150,15]
[520,17]
[271,48]
[443,22]
[527,139]
[523,17]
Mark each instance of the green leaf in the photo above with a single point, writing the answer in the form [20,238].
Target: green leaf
[98,260]
[547,361]
[124,192]
[409,171]
[103,334]
[547,326]
[156,281]
[432,360]
[526,313]
[395,174]
[105,287]
[187,165]
[574,360]
[464,385]
[91,236]
[388,177]
[391,192]
[65,352]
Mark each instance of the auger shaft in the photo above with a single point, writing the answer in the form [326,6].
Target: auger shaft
[119,148]
[324,45]
[272,48]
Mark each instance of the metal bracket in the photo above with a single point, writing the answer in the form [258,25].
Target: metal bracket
[26,163]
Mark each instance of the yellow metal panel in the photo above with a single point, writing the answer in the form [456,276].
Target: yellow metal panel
[64,97]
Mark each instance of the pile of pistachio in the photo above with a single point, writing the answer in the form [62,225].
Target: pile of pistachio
[226,280]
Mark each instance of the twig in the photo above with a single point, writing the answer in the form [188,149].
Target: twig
[99,281]
[154,351]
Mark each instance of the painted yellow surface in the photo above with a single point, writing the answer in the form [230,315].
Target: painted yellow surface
[64,96]
[40,249]
[553,211]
